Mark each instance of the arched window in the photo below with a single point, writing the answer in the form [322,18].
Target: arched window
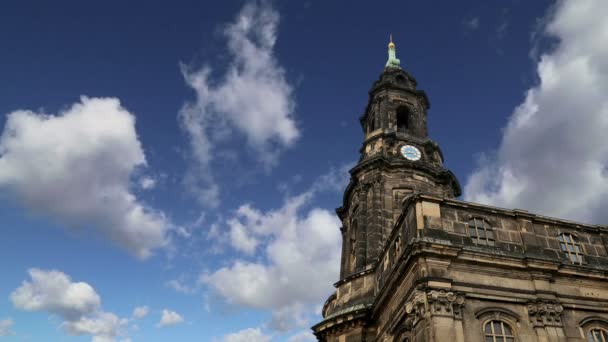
[403,114]
[353,244]
[498,331]
[372,123]
[397,247]
[597,335]
[481,232]
[571,248]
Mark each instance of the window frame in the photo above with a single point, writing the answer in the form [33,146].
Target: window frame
[494,335]
[486,229]
[571,248]
[498,313]
[592,323]
[603,332]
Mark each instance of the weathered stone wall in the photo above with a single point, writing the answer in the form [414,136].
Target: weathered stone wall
[519,232]
[434,284]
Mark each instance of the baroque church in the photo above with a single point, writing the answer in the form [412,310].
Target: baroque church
[419,265]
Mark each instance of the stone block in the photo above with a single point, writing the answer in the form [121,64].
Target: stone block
[593,260]
[447,225]
[589,249]
[502,235]
[437,234]
[526,225]
[595,239]
[509,224]
[432,222]
[504,246]
[460,228]
[467,241]
[539,229]
[515,237]
[431,209]
[529,239]
[448,213]
[553,243]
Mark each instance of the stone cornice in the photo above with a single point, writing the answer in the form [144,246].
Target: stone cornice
[519,213]
[344,319]
[421,247]
[369,269]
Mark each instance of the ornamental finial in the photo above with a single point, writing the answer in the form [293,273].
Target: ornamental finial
[392,62]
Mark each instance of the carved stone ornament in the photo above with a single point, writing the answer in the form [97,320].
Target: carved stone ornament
[437,302]
[415,309]
[446,303]
[545,313]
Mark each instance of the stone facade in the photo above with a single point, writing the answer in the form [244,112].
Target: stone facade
[418,265]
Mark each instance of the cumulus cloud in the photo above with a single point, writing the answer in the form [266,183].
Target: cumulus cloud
[170,318]
[293,259]
[103,326]
[247,335]
[147,182]
[303,254]
[252,98]
[553,158]
[5,327]
[141,312]
[76,303]
[54,291]
[76,166]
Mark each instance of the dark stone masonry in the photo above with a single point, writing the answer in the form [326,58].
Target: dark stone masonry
[418,265]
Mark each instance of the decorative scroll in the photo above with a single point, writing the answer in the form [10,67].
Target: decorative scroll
[436,303]
[545,313]
[446,303]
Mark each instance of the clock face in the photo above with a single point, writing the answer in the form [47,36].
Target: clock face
[410,152]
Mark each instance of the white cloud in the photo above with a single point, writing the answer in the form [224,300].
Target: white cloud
[5,327]
[247,335]
[54,291]
[75,167]
[289,317]
[296,257]
[553,158]
[76,303]
[104,326]
[303,253]
[170,318]
[180,286]
[147,182]
[141,312]
[335,180]
[252,98]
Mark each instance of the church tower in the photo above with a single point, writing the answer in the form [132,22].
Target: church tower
[397,158]
[419,265]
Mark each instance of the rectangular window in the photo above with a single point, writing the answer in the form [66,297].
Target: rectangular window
[481,233]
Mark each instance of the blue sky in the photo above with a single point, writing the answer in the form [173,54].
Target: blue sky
[169,172]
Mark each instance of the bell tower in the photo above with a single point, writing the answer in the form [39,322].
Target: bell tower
[397,159]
